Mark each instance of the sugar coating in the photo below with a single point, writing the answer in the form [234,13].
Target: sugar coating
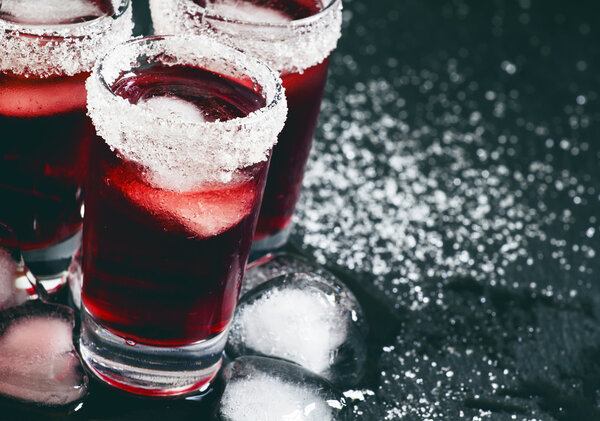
[48,11]
[305,327]
[38,362]
[182,153]
[263,397]
[286,46]
[73,49]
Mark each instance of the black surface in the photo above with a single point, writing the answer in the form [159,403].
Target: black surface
[511,332]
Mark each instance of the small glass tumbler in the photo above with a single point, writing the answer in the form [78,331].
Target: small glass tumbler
[185,128]
[294,37]
[48,51]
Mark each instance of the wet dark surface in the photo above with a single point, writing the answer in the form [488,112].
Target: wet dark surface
[455,187]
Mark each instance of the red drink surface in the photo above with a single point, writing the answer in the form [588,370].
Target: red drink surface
[43,150]
[304,92]
[164,267]
[293,9]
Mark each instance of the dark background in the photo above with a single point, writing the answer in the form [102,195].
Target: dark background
[454,184]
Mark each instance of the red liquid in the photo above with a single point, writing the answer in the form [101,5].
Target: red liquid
[43,151]
[294,9]
[304,93]
[164,267]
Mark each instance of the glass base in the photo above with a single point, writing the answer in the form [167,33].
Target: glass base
[51,265]
[149,370]
[272,242]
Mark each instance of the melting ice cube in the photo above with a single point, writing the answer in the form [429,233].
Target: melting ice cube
[204,213]
[304,318]
[38,362]
[247,11]
[173,107]
[10,272]
[14,282]
[50,12]
[268,389]
[274,265]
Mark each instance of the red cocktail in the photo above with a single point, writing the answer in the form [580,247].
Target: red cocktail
[304,92]
[48,52]
[295,37]
[186,248]
[186,126]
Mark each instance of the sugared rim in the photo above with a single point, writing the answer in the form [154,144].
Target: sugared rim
[175,151]
[276,97]
[62,49]
[291,46]
[68,30]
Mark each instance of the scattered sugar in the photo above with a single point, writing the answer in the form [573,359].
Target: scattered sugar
[301,326]
[466,201]
[291,47]
[246,11]
[74,48]
[411,206]
[48,12]
[174,151]
[264,397]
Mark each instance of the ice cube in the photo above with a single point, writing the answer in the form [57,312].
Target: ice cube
[246,11]
[274,265]
[204,213]
[14,282]
[38,362]
[305,318]
[260,388]
[10,272]
[173,107]
[49,12]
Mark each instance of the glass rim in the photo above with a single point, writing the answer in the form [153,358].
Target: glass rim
[67,30]
[276,96]
[295,23]
[174,148]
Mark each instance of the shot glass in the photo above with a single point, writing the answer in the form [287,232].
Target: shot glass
[294,37]
[186,126]
[48,50]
